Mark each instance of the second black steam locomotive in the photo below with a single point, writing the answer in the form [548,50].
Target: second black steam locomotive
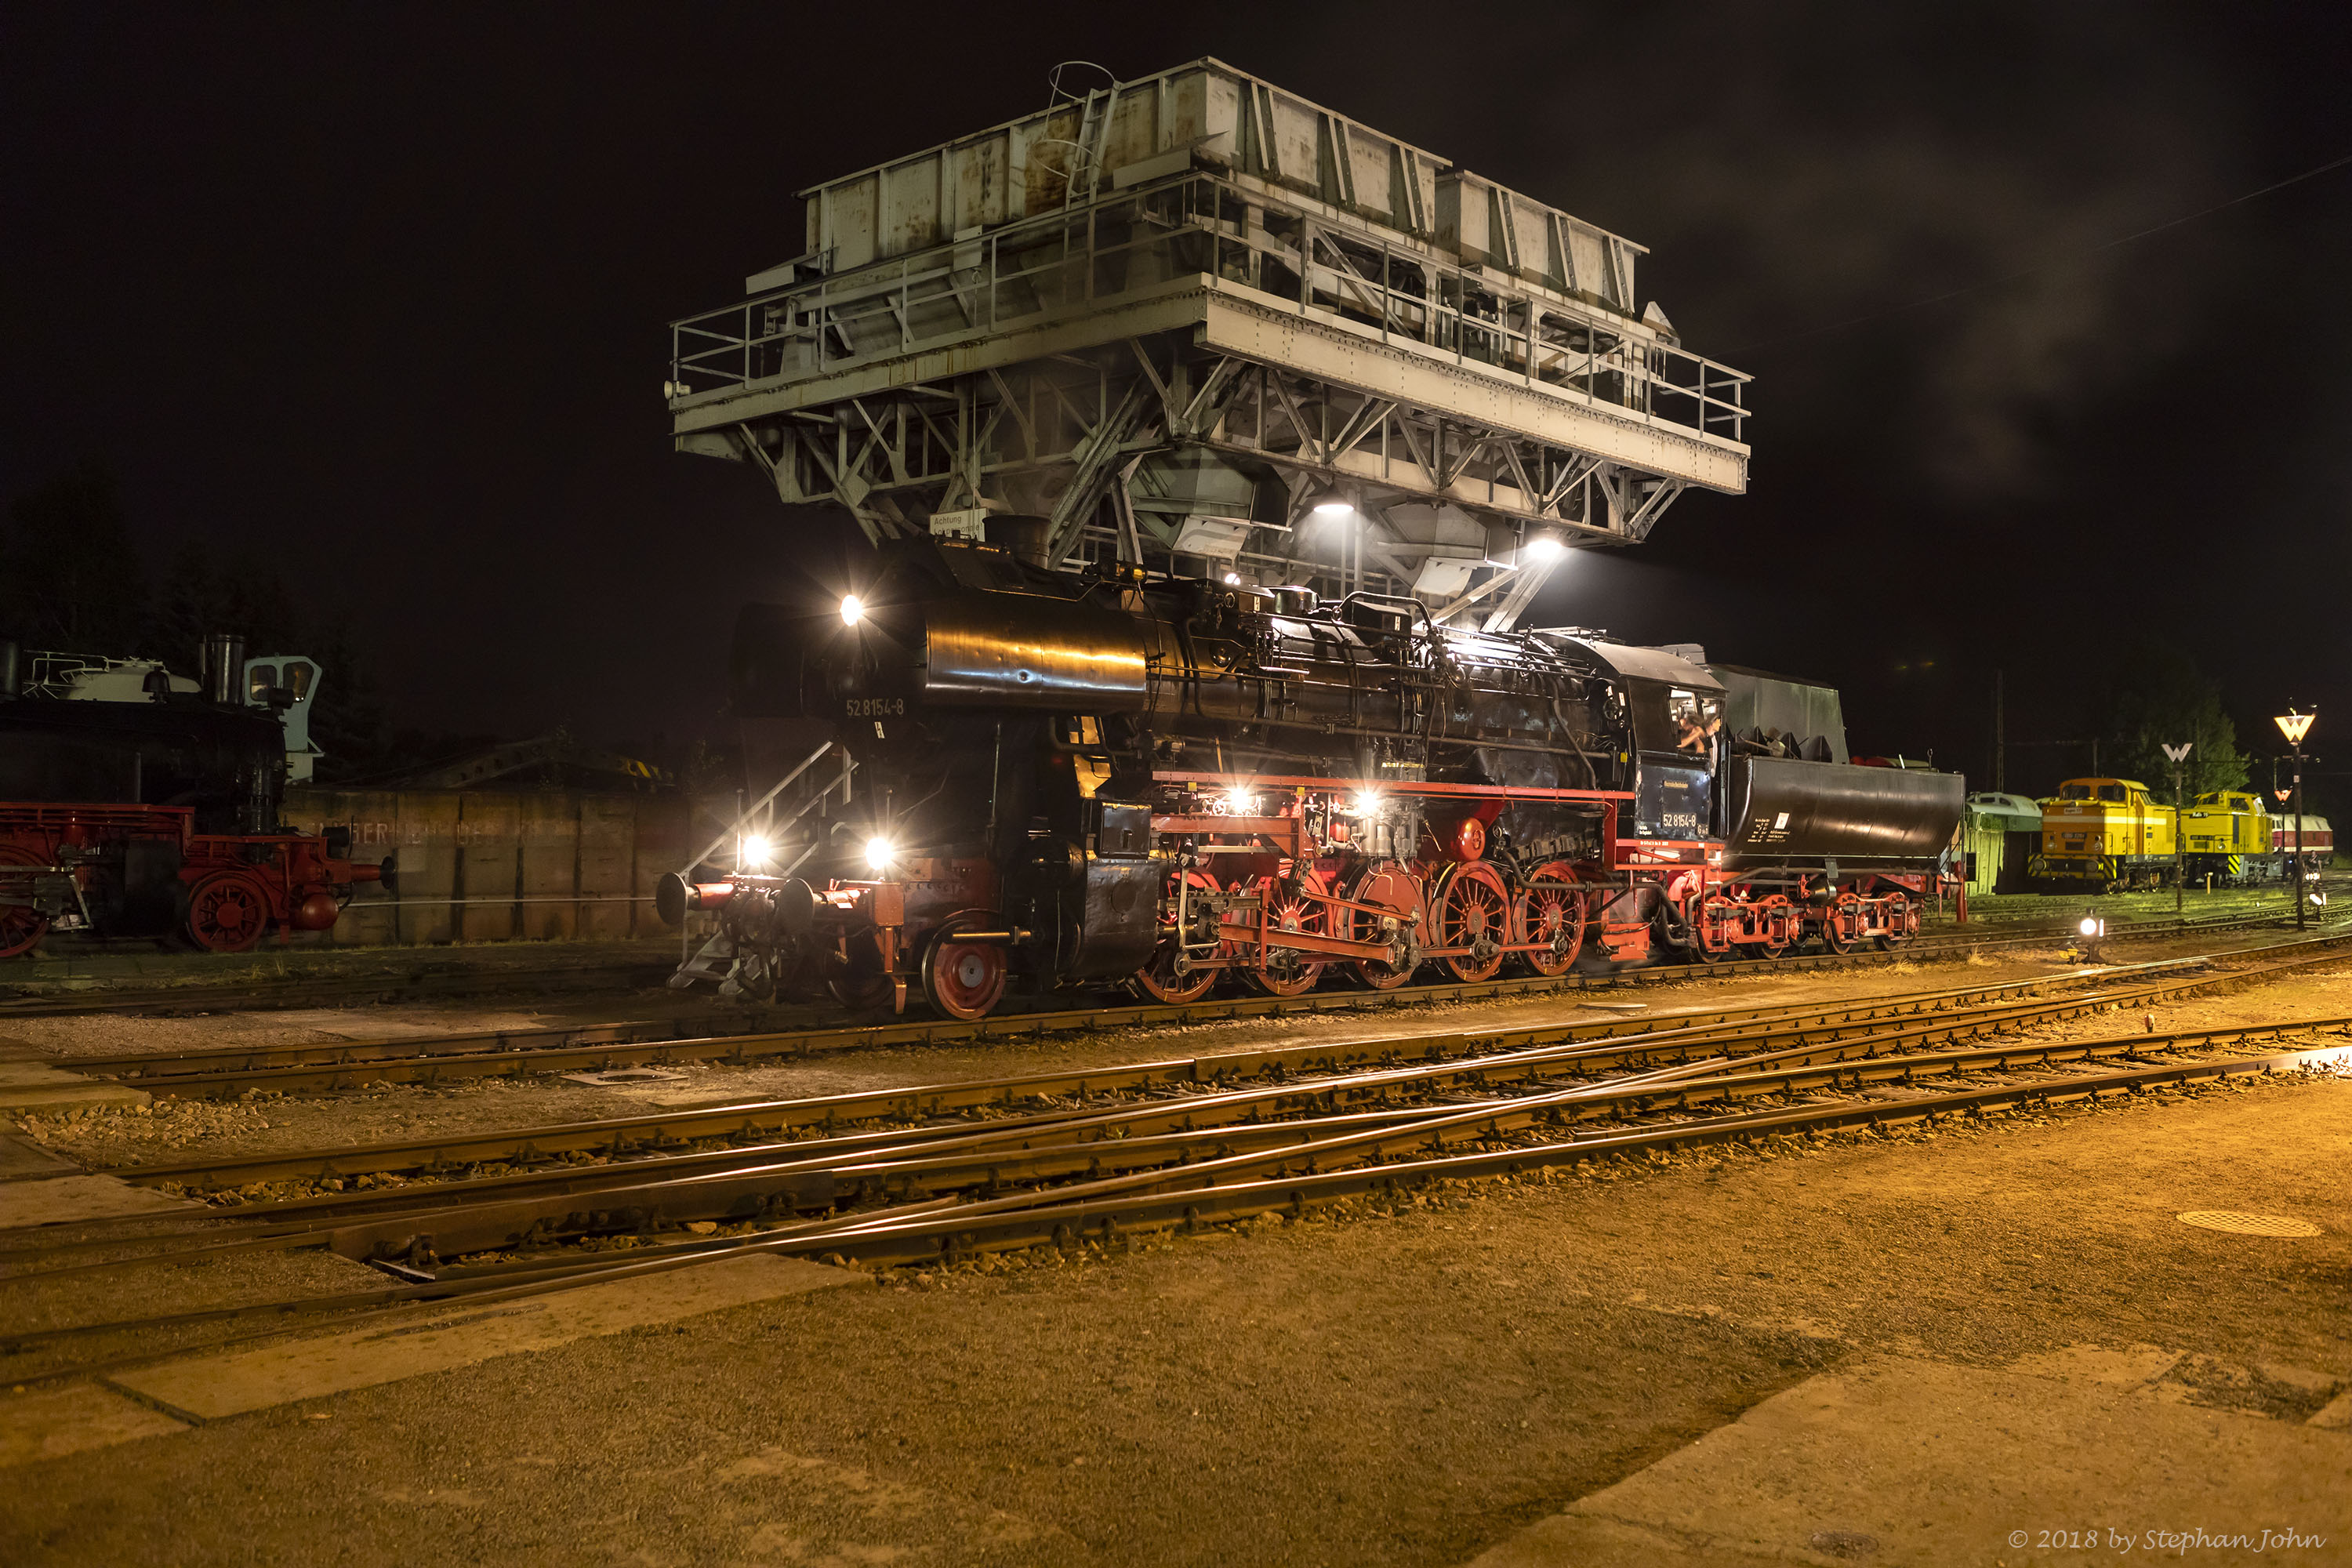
[1071,777]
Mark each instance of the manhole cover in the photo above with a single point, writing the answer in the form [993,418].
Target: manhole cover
[2248,1224]
[1844,1543]
[616,1078]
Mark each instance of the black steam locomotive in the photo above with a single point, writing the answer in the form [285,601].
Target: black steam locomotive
[1116,775]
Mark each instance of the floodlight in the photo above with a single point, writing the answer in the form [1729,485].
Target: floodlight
[878,854]
[853,609]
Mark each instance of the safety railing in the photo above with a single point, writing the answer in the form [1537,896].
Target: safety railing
[1134,243]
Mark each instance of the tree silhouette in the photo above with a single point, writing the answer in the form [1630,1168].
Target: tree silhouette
[70,579]
[2161,698]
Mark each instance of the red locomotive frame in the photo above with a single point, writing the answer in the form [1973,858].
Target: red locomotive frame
[54,857]
[1257,893]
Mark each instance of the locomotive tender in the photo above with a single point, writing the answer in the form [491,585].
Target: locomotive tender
[1111,775]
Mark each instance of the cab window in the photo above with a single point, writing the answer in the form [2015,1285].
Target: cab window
[258,679]
[2074,791]
[2111,792]
[297,679]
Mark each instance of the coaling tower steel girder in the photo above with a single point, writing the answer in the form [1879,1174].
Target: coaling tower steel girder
[1173,316]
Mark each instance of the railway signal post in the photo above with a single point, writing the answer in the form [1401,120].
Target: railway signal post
[2178,755]
[2294,726]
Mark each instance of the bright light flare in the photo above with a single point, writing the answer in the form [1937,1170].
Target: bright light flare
[1542,547]
[879,853]
[1366,804]
[1334,506]
[2090,925]
[757,850]
[853,609]
[1240,801]
[1232,579]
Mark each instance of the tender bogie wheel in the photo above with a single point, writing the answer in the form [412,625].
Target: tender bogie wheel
[1298,908]
[964,979]
[1390,886]
[21,926]
[1550,914]
[1899,917]
[1473,908]
[227,913]
[1839,923]
[1780,920]
[1158,978]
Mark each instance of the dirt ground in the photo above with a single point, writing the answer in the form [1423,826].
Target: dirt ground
[1363,1387]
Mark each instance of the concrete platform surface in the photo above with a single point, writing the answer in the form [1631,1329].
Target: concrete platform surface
[52,1090]
[208,1387]
[2070,1459]
[62,1200]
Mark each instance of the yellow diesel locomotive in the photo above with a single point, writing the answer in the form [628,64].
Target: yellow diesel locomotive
[2108,834]
[2229,835]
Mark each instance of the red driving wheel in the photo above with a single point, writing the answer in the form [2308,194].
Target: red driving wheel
[1550,914]
[1158,979]
[22,927]
[227,913]
[1473,907]
[1300,907]
[1387,886]
[964,979]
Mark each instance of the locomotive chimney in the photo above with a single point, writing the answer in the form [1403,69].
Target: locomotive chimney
[225,669]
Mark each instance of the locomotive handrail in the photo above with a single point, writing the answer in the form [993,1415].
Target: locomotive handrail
[736,831]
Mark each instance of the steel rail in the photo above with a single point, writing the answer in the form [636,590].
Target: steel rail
[431,984]
[787,1177]
[329,1067]
[1531,1052]
[1110,1220]
[657,1132]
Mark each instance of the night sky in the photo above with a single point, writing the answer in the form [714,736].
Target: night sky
[383,290]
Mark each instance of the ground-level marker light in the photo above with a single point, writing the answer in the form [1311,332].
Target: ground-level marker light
[1232,579]
[756,850]
[878,854]
[853,609]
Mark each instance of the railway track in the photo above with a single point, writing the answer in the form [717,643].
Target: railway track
[744,1036]
[415,982]
[772,1154]
[1060,1191]
[1090,1157]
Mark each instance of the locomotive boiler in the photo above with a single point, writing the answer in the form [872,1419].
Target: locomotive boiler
[1111,776]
